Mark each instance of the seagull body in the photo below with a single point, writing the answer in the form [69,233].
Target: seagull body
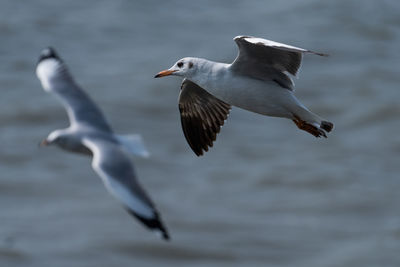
[256,81]
[89,133]
[242,91]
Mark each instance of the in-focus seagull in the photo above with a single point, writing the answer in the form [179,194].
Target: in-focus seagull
[89,133]
[258,80]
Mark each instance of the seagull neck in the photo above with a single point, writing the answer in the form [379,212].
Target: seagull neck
[209,74]
[64,72]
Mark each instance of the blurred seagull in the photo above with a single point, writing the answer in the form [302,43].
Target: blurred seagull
[89,133]
[257,81]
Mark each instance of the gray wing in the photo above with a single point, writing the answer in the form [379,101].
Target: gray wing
[268,60]
[116,170]
[80,108]
[202,116]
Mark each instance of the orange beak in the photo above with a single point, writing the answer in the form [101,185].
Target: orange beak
[164,73]
[43,143]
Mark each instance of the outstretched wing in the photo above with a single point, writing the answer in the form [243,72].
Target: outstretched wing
[268,60]
[116,170]
[202,116]
[56,79]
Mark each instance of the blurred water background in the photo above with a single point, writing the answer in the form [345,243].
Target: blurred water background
[267,194]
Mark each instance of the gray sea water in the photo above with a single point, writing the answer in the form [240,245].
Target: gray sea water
[267,194]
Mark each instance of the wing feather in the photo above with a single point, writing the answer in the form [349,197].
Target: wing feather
[114,167]
[268,60]
[202,116]
[57,80]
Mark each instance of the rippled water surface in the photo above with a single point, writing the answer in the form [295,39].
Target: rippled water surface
[266,194]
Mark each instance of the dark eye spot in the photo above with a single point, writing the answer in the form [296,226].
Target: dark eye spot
[190,65]
[180,64]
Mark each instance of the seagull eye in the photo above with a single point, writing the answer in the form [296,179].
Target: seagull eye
[180,64]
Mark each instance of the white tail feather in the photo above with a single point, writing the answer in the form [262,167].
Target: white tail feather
[133,144]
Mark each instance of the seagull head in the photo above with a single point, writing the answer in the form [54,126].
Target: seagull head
[58,137]
[48,53]
[49,66]
[185,67]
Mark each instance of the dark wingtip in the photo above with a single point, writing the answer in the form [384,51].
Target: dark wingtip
[165,235]
[160,226]
[318,54]
[153,223]
[48,52]
[198,152]
[322,54]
